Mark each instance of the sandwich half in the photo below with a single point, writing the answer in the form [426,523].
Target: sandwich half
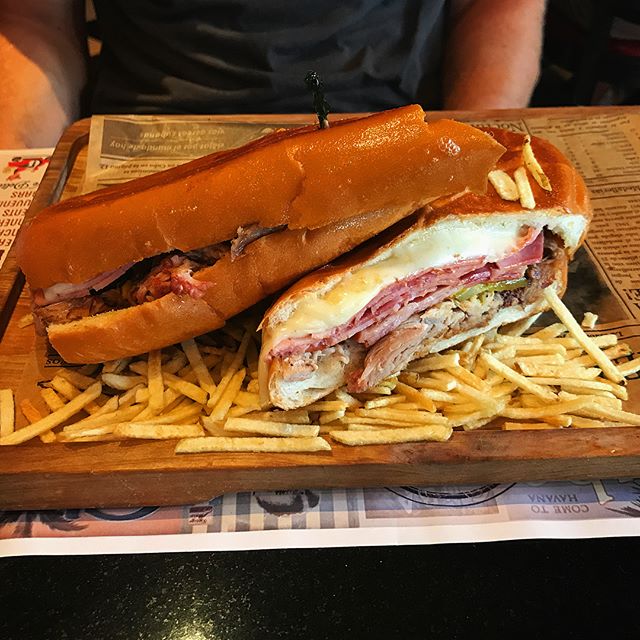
[465,265]
[166,257]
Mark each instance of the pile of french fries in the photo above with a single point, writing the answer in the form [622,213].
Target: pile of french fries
[204,394]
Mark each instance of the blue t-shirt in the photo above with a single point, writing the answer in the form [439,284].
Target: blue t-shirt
[251,56]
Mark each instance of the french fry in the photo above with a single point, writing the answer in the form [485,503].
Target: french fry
[435,362]
[373,424]
[296,416]
[471,421]
[217,430]
[482,398]
[116,366]
[107,437]
[203,376]
[51,398]
[7,413]
[416,396]
[48,437]
[608,368]
[87,432]
[416,417]
[437,433]
[238,411]
[517,340]
[528,426]
[435,396]
[524,188]
[234,366]
[155,382]
[326,405]
[519,327]
[223,405]
[422,382]
[550,409]
[603,341]
[383,402]
[548,359]
[356,422]
[76,379]
[178,362]
[379,390]
[120,415]
[589,321]
[157,431]
[29,411]
[531,162]
[579,422]
[554,371]
[471,349]
[63,387]
[539,349]
[121,382]
[551,331]
[246,399]
[614,415]
[210,444]
[270,428]
[502,389]
[618,351]
[125,400]
[181,414]
[331,416]
[630,367]
[517,379]
[559,421]
[54,419]
[503,184]
[185,388]
[25,321]
[586,385]
[601,397]
[348,399]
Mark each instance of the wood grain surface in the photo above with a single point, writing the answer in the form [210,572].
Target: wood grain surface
[41,476]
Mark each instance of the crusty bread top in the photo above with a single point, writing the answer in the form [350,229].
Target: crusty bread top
[304,178]
[568,191]
[566,210]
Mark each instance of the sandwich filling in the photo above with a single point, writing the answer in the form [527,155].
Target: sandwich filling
[407,315]
[139,282]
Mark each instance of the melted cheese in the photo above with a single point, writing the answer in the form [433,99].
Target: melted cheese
[318,312]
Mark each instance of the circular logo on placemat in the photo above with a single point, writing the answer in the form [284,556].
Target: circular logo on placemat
[458,496]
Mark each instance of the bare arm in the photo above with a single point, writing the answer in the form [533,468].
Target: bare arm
[43,70]
[493,53]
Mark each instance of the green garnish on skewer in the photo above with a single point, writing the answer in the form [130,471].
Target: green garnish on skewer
[320,105]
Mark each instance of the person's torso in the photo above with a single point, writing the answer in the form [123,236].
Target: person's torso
[244,56]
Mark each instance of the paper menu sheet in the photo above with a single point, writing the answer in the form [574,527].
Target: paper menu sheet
[21,171]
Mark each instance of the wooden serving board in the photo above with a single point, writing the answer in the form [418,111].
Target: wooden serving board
[123,474]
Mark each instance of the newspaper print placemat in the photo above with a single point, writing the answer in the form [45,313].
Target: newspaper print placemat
[351,517]
[20,173]
[604,278]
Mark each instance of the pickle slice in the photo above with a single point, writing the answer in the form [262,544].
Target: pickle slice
[504,285]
